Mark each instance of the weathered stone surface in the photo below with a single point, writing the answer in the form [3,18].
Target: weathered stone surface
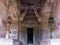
[45,42]
[56,13]
[3,17]
[11,8]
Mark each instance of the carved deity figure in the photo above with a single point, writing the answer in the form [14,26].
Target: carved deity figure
[9,22]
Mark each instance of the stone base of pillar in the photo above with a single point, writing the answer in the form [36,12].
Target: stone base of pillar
[16,42]
[45,42]
[56,35]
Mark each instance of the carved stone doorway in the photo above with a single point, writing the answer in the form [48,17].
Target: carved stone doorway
[31,34]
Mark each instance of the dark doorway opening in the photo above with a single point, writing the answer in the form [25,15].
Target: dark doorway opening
[29,35]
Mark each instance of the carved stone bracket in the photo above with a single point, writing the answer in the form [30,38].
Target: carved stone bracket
[25,13]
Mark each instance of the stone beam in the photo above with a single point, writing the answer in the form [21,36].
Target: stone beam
[37,15]
[23,15]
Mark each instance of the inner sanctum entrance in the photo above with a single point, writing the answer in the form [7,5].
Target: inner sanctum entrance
[29,35]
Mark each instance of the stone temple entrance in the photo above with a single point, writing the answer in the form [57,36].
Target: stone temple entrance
[30,35]
[29,29]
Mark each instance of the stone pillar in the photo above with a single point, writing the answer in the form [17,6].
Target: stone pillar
[13,11]
[3,17]
[56,14]
[46,32]
[46,12]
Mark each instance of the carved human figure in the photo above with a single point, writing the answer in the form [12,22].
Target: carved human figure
[9,22]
